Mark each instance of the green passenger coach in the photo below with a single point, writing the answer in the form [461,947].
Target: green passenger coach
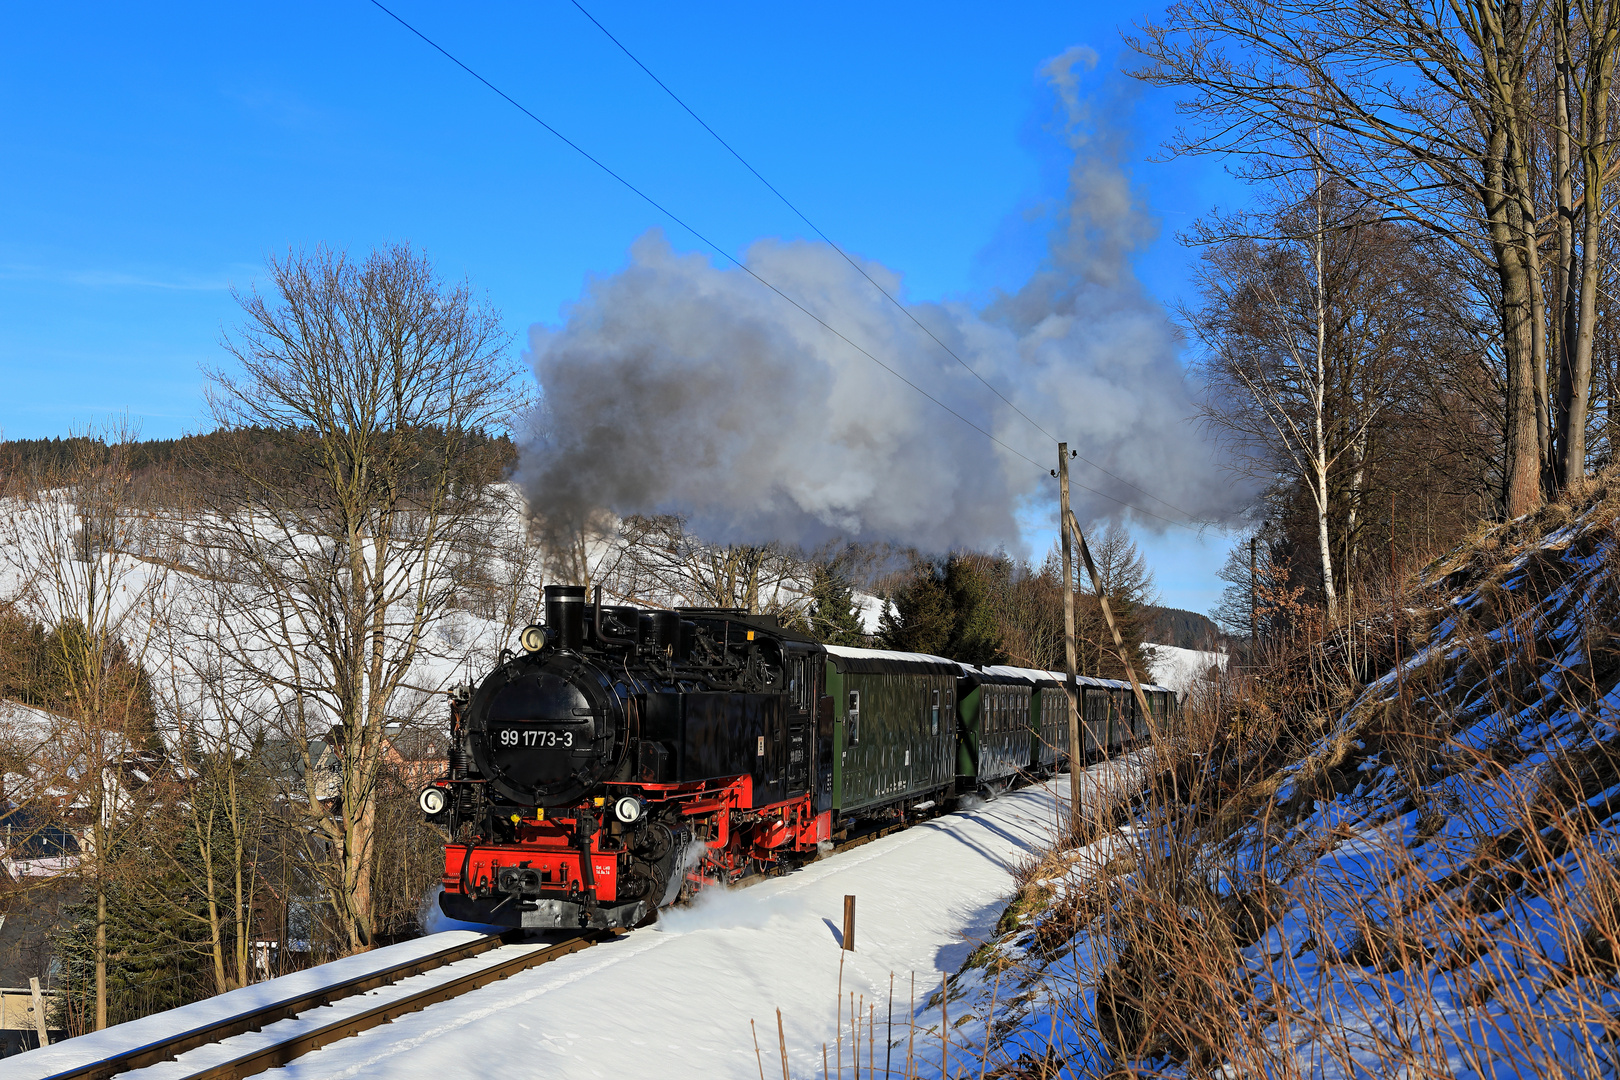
[994,742]
[894,727]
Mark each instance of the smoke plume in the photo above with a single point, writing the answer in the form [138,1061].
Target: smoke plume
[679,386]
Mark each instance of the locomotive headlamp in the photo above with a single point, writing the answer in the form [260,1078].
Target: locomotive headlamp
[627,809]
[432,801]
[533,638]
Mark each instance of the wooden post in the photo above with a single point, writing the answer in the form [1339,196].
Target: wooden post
[1069,657]
[849,924]
[39,1012]
[781,1042]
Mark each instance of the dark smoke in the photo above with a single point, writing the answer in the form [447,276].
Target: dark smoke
[677,386]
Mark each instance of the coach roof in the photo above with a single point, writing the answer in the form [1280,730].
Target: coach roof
[885,661]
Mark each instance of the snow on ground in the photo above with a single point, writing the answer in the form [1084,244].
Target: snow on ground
[676,999]
[1180,668]
[1433,870]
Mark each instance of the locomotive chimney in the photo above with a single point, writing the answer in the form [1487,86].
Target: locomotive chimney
[565,615]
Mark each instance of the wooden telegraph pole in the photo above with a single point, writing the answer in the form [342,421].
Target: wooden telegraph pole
[1069,526]
[1069,652]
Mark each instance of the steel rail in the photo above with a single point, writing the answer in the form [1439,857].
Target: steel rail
[280,1053]
[172,1046]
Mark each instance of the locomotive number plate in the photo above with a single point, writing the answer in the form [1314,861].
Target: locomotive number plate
[533,737]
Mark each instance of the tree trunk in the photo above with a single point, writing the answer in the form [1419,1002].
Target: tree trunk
[1567,319]
[1575,382]
[1521,466]
[1319,394]
[101,949]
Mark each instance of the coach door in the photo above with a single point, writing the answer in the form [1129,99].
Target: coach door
[804,679]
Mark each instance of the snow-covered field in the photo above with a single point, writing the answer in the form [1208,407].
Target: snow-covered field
[1180,668]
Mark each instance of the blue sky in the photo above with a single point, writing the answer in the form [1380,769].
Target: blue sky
[155,157]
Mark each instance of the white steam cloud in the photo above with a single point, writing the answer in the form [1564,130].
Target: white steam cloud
[678,386]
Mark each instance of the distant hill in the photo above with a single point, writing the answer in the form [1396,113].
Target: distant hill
[1181,628]
[486,456]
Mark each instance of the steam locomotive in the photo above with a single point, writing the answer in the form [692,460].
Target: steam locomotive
[627,757]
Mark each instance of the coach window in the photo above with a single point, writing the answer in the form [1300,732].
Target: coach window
[933,723]
[852,727]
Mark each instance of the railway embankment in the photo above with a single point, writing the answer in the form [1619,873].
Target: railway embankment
[1392,850]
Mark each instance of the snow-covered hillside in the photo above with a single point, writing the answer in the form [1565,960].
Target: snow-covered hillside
[1180,669]
[1419,879]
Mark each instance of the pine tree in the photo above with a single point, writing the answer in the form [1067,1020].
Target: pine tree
[947,610]
[975,636]
[918,616]
[835,618]
[156,945]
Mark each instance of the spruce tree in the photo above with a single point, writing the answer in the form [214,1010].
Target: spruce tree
[918,616]
[975,637]
[835,618]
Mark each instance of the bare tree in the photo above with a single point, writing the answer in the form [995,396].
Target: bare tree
[207,705]
[1428,107]
[1318,343]
[667,563]
[351,488]
[74,531]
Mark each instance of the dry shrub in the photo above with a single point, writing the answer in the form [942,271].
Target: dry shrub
[1175,988]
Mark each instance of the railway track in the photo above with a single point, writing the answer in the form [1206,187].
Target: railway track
[281,1052]
[252,1062]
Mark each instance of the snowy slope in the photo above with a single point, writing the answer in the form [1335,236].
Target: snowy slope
[872,609]
[1180,668]
[1428,884]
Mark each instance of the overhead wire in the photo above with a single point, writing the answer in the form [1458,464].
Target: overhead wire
[846,257]
[655,204]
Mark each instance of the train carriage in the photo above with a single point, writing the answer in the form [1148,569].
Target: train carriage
[1097,719]
[994,744]
[1045,722]
[894,734]
[1050,736]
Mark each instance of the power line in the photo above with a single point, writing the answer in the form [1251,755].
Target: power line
[655,204]
[857,266]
